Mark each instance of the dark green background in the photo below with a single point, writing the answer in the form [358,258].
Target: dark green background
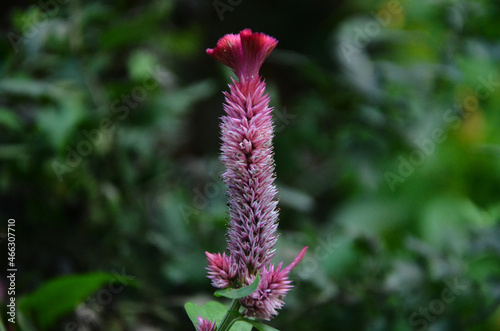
[387,158]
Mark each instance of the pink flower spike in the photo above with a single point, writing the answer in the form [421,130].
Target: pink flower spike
[205,325]
[244,53]
[247,133]
[222,270]
[247,152]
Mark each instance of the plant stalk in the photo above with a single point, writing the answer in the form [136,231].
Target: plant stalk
[231,316]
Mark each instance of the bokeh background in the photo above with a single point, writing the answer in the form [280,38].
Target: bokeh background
[387,158]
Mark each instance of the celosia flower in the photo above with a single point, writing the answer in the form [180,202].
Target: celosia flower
[247,153]
[247,133]
[205,325]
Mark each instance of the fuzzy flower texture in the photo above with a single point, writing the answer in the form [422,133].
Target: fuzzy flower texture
[247,153]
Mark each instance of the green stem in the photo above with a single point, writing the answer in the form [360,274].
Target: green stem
[231,316]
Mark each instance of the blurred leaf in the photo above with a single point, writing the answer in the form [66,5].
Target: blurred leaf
[9,119]
[25,323]
[182,43]
[443,226]
[296,199]
[13,151]
[2,327]
[60,296]
[127,32]
[140,64]
[30,88]
[341,260]
[178,101]
[59,123]
[380,217]
[484,268]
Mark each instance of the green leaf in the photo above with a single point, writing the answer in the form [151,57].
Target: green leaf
[59,123]
[241,325]
[258,325]
[239,293]
[213,311]
[60,296]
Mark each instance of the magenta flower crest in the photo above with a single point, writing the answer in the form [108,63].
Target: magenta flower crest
[244,52]
[247,153]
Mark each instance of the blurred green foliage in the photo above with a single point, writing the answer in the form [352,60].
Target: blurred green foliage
[62,295]
[387,153]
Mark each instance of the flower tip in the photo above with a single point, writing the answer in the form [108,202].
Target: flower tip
[246,32]
[296,260]
[205,324]
[244,53]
